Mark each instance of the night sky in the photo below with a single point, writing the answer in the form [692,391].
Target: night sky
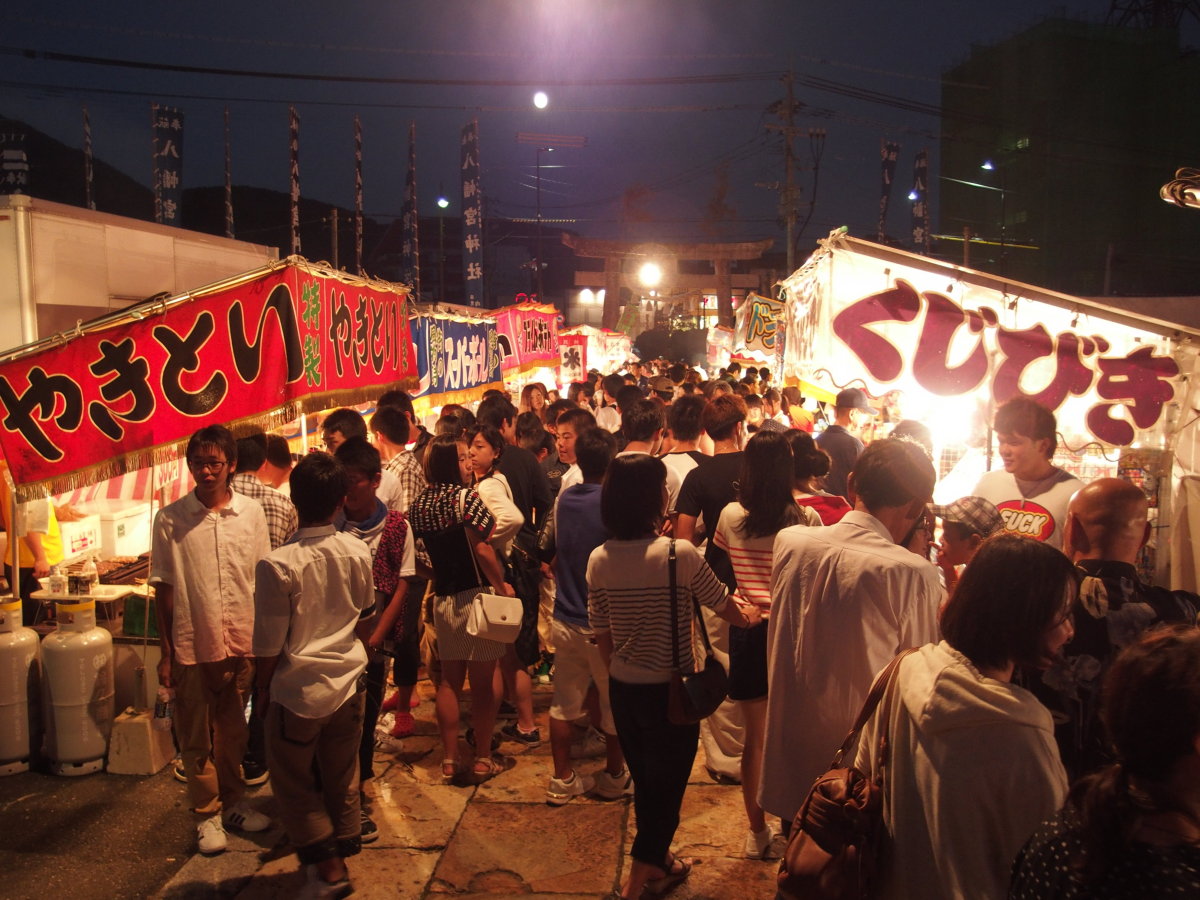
[657,153]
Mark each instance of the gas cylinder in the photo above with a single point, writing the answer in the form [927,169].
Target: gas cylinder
[77,666]
[20,670]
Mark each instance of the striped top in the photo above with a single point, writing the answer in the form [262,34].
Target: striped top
[629,597]
[752,557]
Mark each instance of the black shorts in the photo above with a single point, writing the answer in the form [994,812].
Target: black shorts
[748,662]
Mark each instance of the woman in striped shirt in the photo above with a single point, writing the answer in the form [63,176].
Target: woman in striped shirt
[629,606]
[746,531]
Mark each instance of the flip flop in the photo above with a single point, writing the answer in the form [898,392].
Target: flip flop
[677,872]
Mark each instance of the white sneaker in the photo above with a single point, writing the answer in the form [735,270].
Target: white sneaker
[316,888]
[243,817]
[758,844]
[614,787]
[210,835]
[593,743]
[561,791]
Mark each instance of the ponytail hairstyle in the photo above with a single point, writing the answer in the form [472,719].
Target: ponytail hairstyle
[1150,707]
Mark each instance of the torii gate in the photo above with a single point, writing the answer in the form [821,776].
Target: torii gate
[667,256]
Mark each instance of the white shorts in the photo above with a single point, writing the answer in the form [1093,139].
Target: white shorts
[577,665]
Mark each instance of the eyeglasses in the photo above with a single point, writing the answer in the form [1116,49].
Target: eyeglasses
[212,465]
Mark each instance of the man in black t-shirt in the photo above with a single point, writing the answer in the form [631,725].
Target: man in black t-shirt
[709,487]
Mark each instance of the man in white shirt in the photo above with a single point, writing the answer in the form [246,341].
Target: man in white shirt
[205,547]
[309,596]
[1031,494]
[845,600]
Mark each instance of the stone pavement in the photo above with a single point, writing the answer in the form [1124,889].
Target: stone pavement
[496,840]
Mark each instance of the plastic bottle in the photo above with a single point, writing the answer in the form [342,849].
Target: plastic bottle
[164,709]
[89,578]
[58,582]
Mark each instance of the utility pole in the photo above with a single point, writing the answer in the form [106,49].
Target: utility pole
[788,192]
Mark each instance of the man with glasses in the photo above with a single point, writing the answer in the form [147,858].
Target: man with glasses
[204,550]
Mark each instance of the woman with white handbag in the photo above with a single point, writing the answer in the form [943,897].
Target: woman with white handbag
[454,525]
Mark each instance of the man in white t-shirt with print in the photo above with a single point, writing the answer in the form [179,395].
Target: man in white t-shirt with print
[1031,493]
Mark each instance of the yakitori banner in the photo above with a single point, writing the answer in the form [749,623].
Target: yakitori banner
[458,358]
[948,345]
[528,335]
[279,341]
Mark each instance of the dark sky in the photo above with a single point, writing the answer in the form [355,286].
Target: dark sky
[672,143]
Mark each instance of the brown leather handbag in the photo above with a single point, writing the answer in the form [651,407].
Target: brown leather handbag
[832,851]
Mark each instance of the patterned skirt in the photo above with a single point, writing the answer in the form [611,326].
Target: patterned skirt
[450,622]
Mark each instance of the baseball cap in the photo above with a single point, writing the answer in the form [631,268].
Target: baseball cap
[973,513]
[662,383]
[853,398]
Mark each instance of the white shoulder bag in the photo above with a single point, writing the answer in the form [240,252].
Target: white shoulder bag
[493,617]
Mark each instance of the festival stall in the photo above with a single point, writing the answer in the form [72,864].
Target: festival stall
[100,416]
[527,334]
[944,345]
[457,356]
[585,347]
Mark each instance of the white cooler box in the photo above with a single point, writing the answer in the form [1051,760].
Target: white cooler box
[125,526]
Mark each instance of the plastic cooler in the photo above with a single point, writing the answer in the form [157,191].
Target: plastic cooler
[124,526]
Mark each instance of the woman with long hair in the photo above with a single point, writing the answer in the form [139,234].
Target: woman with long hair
[629,607]
[746,531]
[970,765]
[1132,829]
[810,465]
[454,524]
[534,400]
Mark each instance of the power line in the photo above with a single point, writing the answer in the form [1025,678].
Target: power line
[140,65]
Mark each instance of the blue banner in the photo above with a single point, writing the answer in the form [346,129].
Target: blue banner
[472,215]
[167,131]
[455,357]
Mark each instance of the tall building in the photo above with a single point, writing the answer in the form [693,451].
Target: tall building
[1081,124]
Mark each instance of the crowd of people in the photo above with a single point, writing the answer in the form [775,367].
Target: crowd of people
[627,516]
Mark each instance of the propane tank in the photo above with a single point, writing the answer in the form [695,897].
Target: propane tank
[77,665]
[20,670]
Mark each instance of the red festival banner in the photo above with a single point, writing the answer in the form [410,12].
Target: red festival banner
[263,348]
[528,335]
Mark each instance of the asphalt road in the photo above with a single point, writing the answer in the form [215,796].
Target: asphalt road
[92,836]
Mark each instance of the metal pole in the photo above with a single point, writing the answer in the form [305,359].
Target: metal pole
[333,239]
[538,259]
[441,259]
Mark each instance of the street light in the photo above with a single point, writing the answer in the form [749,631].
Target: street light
[540,100]
[988,166]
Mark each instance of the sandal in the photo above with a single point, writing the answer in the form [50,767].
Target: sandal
[677,871]
[489,767]
[450,770]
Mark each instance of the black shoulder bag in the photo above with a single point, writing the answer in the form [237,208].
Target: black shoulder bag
[693,697]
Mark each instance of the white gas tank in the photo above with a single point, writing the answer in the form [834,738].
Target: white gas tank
[77,664]
[20,671]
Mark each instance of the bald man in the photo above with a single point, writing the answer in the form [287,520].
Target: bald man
[1106,527]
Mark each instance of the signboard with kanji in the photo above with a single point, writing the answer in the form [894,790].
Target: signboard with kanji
[286,339]
[458,358]
[528,336]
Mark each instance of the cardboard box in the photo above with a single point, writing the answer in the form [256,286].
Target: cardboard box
[125,526]
[79,537]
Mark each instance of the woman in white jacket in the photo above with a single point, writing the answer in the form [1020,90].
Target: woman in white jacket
[973,766]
